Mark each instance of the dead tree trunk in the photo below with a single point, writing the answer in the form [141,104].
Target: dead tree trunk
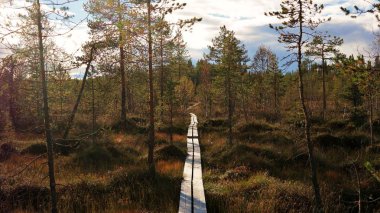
[75,109]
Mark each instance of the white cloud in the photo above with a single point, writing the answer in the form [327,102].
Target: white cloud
[247,19]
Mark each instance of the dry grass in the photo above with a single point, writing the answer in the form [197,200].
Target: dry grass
[161,136]
[170,168]
[120,138]
[98,190]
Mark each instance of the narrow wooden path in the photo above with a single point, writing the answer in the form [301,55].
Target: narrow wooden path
[192,197]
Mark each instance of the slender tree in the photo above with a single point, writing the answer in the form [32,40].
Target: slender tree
[111,23]
[230,57]
[151,91]
[298,22]
[48,134]
[324,46]
[88,58]
[267,74]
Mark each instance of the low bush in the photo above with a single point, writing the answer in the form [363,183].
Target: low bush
[98,157]
[238,173]
[257,126]
[243,155]
[6,151]
[354,141]
[131,127]
[259,193]
[29,197]
[348,141]
[170,152]
[265,137]
[358,117]
[35,149]
[337,124]
[179,129]
[327,141]
[374,149]
[216,122]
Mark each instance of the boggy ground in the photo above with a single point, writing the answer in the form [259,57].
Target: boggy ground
[266,169]
[108,175]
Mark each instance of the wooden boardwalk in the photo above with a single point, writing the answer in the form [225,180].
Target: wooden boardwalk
[192,197]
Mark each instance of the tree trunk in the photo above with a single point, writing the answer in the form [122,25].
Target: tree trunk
[93,105]
[171,121]
[49,138]
[161,78]
[318,201]
[229,109]
[123,115]
[324,87]
[75,109]
[11,94]
[151,94]
[358,182]
[276,88]
[371,117]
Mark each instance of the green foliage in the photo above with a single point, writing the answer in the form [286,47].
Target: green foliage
[370,168]
[358,116]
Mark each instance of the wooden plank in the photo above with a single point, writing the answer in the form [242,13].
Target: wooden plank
[192,195]
[185,203]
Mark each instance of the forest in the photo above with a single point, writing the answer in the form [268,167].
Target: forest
[106,129]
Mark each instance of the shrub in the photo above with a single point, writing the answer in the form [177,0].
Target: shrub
[257,126]
[243,155]
[354,141]
[274,137]
[35,149]
[170,152]
[181,129]
[358,117]
[215,123]
[374,149]
[6,151]
[101,157]
[327,141]
[337,124]
[66,147]
[238,173]
[131,127]
[317,120]
[29,197]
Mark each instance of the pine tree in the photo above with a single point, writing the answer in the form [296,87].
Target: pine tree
[111,22]
[230,57]
[297,23]
[323,46]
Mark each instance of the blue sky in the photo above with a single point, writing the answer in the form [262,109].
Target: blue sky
[247,19]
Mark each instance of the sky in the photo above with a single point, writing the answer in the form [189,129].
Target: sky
[246,18]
